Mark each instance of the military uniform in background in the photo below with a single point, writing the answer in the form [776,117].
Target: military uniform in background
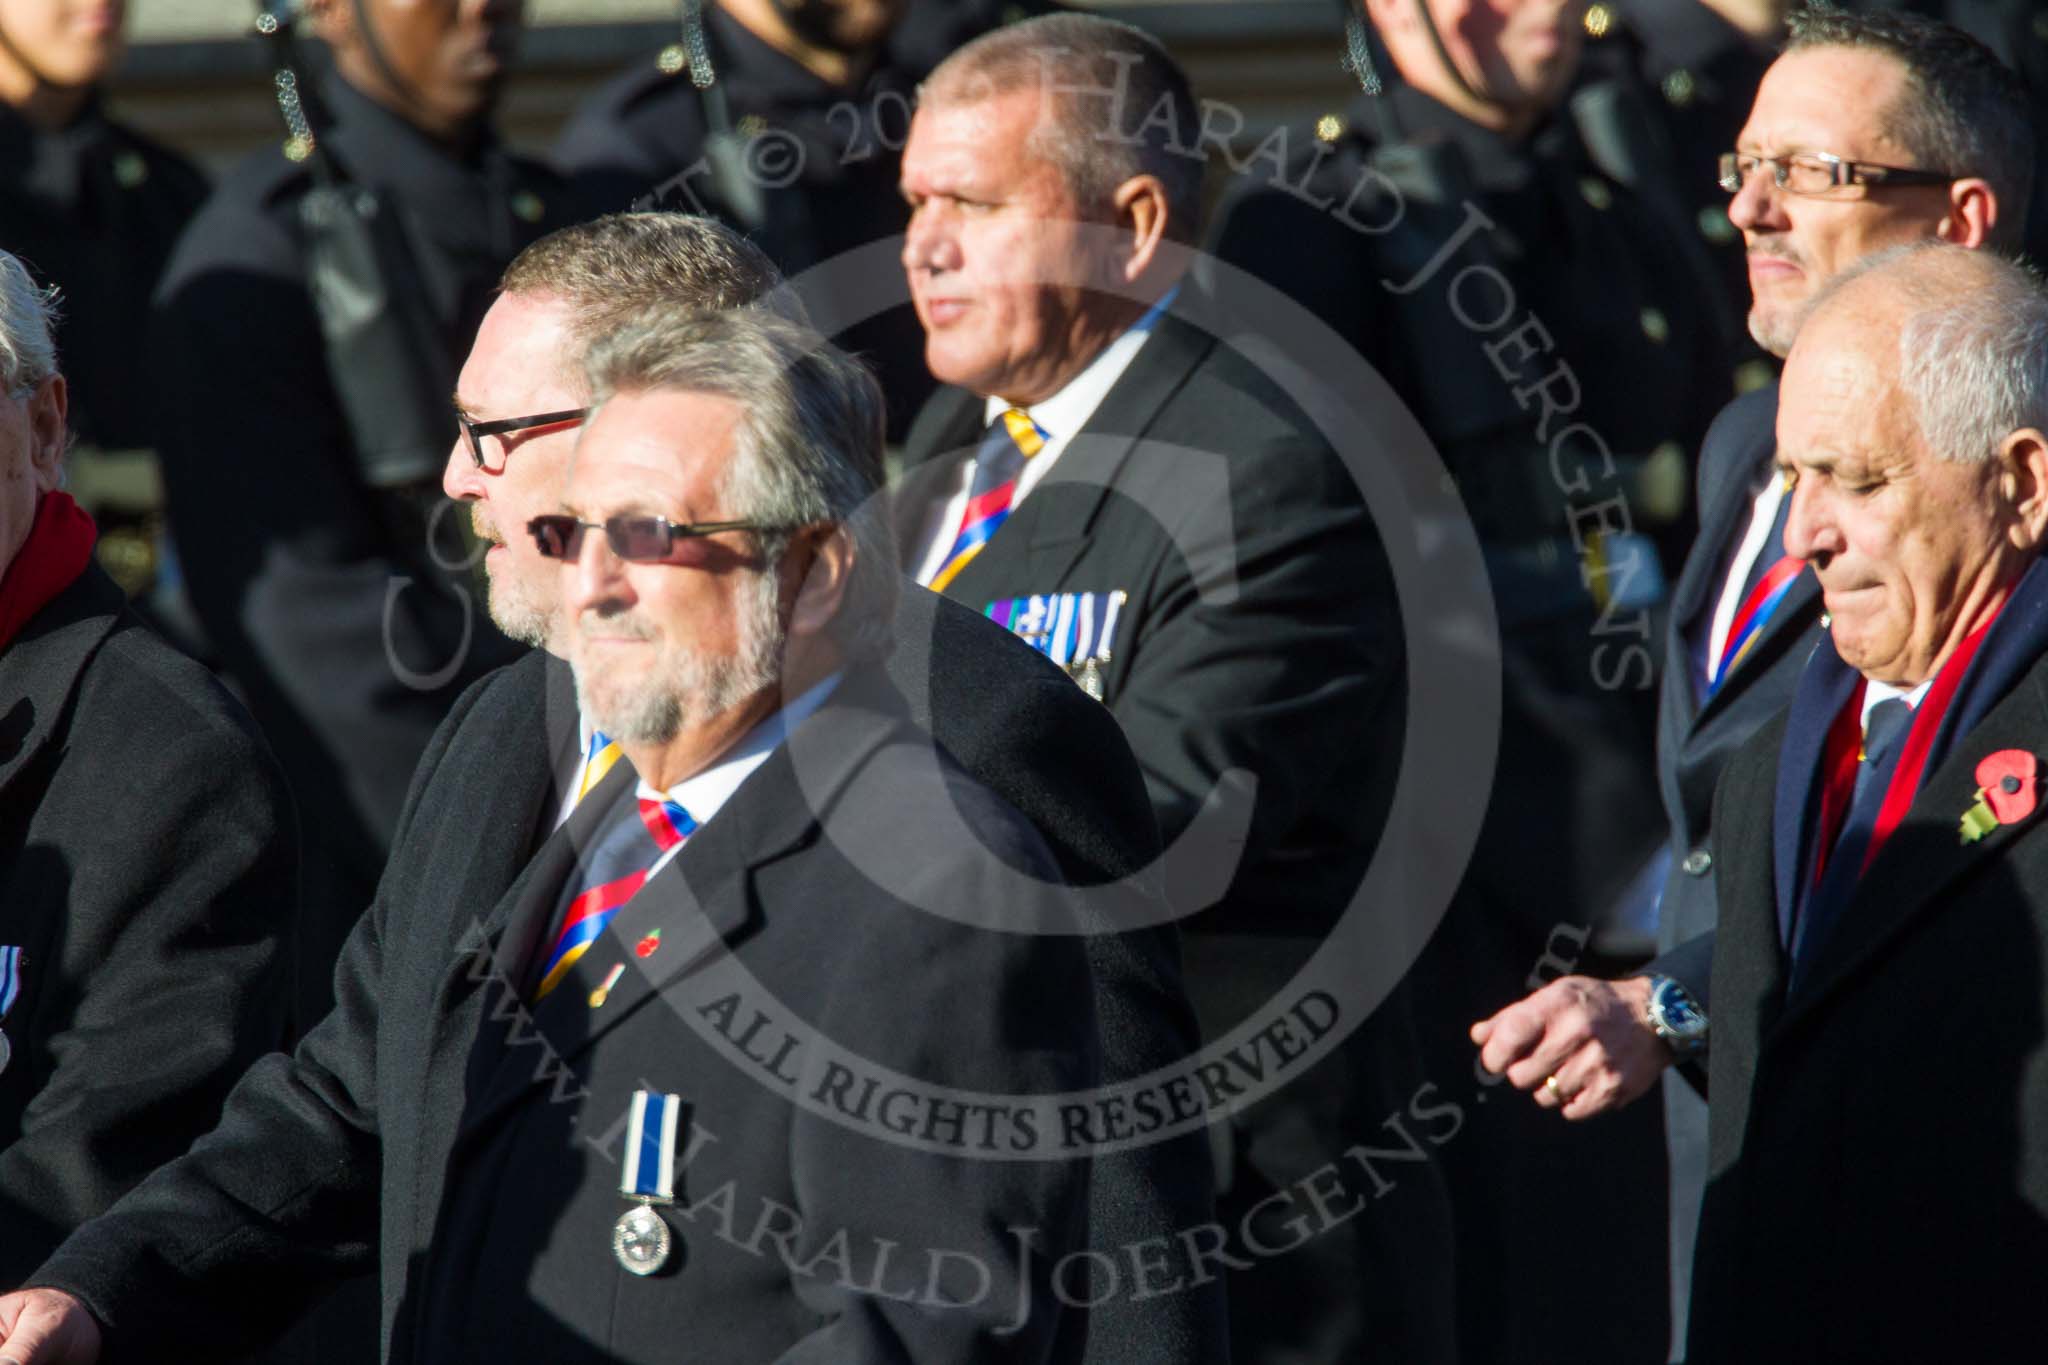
[1508,291]
[321,596]
[94,208]
[823,159]
[1694,76]
[932,30]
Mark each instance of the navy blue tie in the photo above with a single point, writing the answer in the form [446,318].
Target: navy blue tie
[1884,735]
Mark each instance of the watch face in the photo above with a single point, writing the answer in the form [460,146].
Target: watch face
[1678,1011]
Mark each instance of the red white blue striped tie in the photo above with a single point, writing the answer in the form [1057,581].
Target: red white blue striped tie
[607,879]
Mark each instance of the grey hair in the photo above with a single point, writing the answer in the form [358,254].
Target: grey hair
[810,444]
[615,270]
[28,321]
[1963,112]
[1147,122]
[1973,352]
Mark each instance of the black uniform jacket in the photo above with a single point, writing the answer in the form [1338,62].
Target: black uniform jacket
[146,874]
[821,163]
[1878,1186]
[311,586]
[94,208]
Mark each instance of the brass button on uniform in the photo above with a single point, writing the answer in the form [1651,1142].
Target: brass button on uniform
[1698,863]
[1329,127]
[1595,192]
[671,59]
[1679,87]
[1656,326]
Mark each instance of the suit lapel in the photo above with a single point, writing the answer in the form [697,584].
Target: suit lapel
[1701,580]
[946,431]
[1927,854]
[40,667]
[702,901]
[1043,538]
[1824,689]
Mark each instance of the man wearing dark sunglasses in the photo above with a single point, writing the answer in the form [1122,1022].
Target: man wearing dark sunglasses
[785,830]
[507,773]
[1014,721]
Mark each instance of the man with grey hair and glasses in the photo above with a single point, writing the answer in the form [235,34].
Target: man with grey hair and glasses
[714,1065]
[1869,132]
[147,850]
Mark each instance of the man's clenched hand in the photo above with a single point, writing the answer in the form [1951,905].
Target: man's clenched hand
[47,1327]
[1583,1046]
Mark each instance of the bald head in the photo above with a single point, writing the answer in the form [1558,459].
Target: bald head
[1910,420]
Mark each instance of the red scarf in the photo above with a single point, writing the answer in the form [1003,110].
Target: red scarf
[1845,739]
[58,548]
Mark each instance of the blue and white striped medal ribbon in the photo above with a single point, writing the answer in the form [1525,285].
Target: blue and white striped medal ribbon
[10,987]
[647,1175]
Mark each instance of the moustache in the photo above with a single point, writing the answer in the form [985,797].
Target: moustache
[1779,245]
[613,625]
[483,526]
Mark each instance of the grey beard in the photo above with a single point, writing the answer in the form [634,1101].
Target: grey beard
[696,687]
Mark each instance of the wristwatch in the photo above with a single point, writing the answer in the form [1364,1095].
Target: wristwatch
[1677,1018]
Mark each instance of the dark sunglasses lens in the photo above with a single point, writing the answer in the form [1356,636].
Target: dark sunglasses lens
[638,537]
[554,537]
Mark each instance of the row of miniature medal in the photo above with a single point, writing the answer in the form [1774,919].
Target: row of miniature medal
[1076,630]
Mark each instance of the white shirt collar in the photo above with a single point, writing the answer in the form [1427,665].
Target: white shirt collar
[1875,692]
[705,793]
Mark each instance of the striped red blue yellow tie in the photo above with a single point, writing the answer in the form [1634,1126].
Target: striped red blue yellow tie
[1011,440]
[1751,617]
[607,879]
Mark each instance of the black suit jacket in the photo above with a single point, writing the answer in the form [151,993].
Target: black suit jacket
[146,873]
[1259,633]
[413,1066]
[1258,657]
[1696,740]
[1878,1188]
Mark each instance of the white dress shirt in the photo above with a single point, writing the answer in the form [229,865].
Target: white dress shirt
[1763,515]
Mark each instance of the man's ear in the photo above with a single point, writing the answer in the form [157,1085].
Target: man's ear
[2023,478]
[1142,213]
[826,562]
[1972,213]
[48,436]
